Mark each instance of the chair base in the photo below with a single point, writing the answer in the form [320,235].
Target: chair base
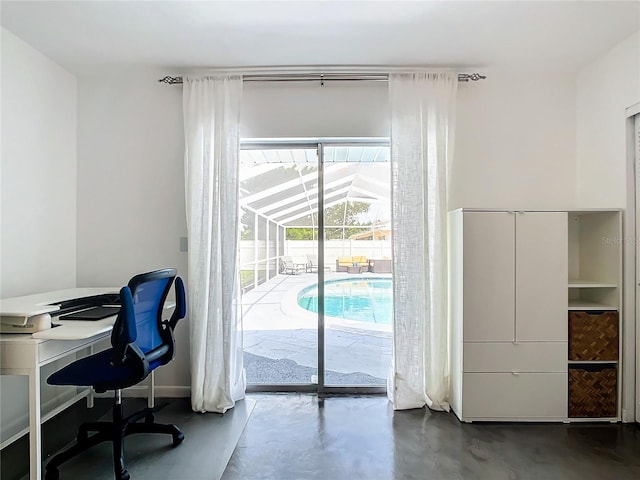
[114,432]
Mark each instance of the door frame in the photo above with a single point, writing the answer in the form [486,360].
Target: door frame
[631,325]
[319,143]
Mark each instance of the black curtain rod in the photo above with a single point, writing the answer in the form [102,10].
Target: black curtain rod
[462,77]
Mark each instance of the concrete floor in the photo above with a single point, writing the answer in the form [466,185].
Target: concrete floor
[294,436]
[276,328]
[210,439]
[301,437]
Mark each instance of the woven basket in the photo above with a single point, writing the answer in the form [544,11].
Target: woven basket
[593,392]
[593,337]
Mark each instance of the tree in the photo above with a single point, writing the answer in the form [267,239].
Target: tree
[347,214]
[300,233]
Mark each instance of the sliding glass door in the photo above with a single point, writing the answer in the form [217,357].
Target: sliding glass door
[316,286]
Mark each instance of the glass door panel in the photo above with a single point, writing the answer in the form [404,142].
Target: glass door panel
[358,302]
[278,200]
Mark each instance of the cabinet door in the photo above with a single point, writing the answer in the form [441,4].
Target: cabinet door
[541,276]
[515,396]
[520,357]
[489,272]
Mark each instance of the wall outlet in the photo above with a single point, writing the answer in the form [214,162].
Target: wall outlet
[184,244]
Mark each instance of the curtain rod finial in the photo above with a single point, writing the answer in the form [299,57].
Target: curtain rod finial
[473,77]
[171,80]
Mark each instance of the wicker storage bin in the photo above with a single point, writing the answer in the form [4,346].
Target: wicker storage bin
[593,336]
[593,391]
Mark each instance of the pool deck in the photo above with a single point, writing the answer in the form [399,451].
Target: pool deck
[272,334]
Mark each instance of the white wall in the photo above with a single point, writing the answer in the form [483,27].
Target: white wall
[38,251]
[38,193]
[131,209]
[605,88]
[515,141]
[306,109]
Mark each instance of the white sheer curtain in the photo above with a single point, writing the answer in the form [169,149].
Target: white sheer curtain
[422,125]
[212,146]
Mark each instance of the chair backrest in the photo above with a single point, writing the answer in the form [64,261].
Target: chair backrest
[288,261]
[140,337]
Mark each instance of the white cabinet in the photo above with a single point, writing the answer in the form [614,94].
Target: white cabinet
[489,269]
[508,291]
[514,277]
[515,357]
[541,276]
[515,396]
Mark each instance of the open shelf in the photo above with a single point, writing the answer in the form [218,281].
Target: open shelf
[577,283]
[595,280]
[585,305]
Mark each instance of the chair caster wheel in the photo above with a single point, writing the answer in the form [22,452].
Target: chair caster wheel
[178,438]
[52,474]
[124,475]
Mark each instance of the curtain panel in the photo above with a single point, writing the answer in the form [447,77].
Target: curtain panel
[211,109]
[422,126]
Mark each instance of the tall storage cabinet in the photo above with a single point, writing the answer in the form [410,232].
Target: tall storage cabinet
[511,298]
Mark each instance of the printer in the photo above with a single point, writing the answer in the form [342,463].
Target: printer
[16,317]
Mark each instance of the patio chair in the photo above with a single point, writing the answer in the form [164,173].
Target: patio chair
[291,268]
[312,264]
[342,263]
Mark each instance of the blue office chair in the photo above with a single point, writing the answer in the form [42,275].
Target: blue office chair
[141,341]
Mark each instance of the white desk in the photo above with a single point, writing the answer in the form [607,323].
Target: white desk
[25,354]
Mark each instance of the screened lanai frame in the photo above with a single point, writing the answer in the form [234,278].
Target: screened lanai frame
[320,146]
[289,199]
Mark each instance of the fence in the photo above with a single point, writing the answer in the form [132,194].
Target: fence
[260,262]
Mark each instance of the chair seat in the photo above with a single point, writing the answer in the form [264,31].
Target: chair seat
[98,372]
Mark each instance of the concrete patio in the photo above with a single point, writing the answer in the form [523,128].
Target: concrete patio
[281,339]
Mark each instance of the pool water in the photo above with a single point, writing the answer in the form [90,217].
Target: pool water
[369,300]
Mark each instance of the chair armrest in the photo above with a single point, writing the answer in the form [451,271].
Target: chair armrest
[181,304]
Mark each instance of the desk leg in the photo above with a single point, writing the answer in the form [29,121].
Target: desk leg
[35,433]
[90,396]
[152,387]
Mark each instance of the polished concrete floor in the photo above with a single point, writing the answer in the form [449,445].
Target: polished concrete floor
[301,437]
[291,436]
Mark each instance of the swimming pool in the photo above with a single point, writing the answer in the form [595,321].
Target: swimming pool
[364,300]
